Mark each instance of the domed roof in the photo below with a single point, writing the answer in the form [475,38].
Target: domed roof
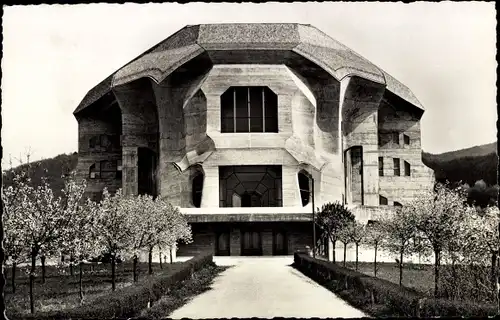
[191,41]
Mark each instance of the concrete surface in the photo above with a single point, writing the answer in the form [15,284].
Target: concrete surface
[264,287]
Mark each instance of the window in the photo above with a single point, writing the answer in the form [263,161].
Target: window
[397,171]
[108,169]
[95,171]
[382,200]
[305,192]
[119,169]
[249,109]
[105,169]
[395,138]
[104,142]
[250,186]
[381,166]
[407,169]
[197,189]
[406,140]
[397,204]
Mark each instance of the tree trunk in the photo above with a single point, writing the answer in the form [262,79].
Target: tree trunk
[454,276]
[334,243]
[42,259]
[150,261]
[345,249]
[161,266]
[401,267]
[375,261]
[493,268]
[171,255]
[13,277]
[71,259]
[357,245]
[32,280]
[134,268]
[437,262]
[113,272]
[81,282]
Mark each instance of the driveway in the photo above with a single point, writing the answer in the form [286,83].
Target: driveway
[264,287]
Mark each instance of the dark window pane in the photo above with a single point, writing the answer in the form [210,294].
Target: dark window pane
[242,124]
[256,125]
[395,138]
[382,201]
[406,139]
[256,102]
[197,190]
[241,102]
[407,169]
[396,167]
[271,110]
[381,166]
[227,124]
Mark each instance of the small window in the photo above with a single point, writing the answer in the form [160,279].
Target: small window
[197,190]
[95,171]
[108,169]
[381,166]
[407,169]
[382,200]
[94,142]
[305,192]
[395,138]
[397,204]
[397,171]
[406,140]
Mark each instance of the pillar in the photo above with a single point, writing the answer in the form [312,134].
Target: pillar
[210,194]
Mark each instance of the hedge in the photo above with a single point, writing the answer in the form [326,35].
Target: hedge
[380,297]
[129,301]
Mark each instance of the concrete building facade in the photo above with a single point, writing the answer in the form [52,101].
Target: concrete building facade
[234,123]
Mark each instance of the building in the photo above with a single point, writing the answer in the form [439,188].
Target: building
[234,123]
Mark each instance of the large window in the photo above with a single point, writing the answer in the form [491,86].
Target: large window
[305,192]
[381,166]
[197,189]
[407,169]
[397,170]
[250,186]
[249,109]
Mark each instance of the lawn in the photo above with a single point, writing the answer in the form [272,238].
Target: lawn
[61,290]
[417,276]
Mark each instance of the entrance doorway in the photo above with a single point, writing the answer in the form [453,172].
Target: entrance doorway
[251,243]
[280,243]
[222,244]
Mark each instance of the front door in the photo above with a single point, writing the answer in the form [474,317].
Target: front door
[222,244]
[251,244]
[280,242]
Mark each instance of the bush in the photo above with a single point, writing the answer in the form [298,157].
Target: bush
[128,301]
[381,297]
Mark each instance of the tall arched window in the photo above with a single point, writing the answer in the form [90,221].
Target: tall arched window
[305,191]
[197,189]
[249,109]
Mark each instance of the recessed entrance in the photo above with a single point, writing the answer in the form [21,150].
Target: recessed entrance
[280,243]
[251,243]
[222,244]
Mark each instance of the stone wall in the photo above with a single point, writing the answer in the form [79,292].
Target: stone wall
[402,120]
[99,132]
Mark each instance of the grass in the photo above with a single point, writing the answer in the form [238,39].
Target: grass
[416,276]
[182,292]
[61,290]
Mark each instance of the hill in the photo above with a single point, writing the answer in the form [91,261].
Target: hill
[53,169]
[467,165]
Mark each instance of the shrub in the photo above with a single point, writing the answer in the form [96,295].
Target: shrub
[128,301]
[381,297]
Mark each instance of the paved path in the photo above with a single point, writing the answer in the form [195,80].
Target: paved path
[265,288]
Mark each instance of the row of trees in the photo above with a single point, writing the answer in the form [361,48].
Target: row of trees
[439,225]
[40,225]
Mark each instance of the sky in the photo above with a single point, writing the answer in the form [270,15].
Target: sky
[53,54]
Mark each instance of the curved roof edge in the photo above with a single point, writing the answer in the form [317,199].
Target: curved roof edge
[183,45]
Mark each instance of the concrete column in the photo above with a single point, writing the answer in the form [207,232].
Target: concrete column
[291,193]
[130,170]
[370,175]
[210,194]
